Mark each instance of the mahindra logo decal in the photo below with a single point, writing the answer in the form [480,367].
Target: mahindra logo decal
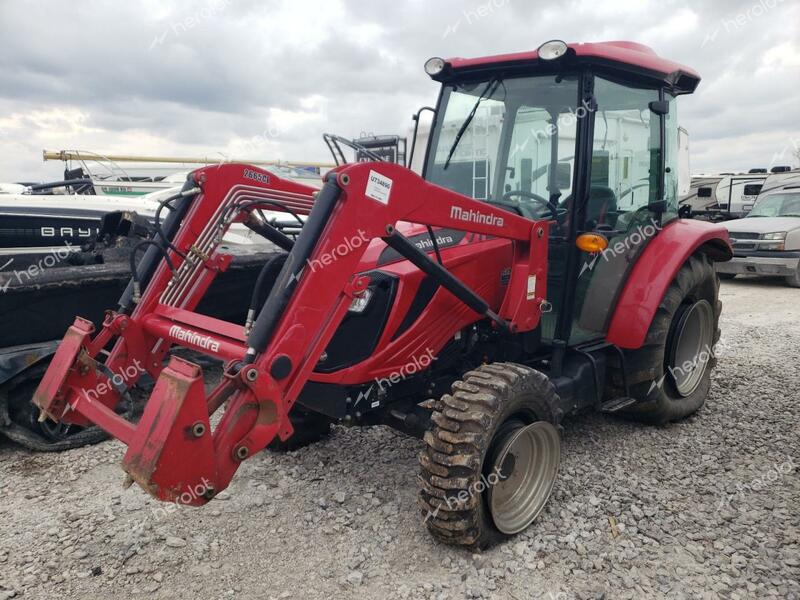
[475,216]
[194,338]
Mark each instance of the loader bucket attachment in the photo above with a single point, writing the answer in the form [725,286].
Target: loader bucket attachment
[50,396]
[172,454]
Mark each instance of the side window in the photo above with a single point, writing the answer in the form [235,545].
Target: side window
[752,189]
[626,154]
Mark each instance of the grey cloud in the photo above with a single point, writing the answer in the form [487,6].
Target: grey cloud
[203,82]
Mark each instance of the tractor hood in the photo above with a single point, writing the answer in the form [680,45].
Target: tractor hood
[379,254]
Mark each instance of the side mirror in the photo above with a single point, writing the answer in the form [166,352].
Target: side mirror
[659,107]
[415,117]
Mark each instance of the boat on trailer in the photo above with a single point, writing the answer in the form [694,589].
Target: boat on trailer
[68,254]
[138,175]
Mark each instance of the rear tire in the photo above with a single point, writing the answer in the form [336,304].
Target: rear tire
[493,446]
[726,276]
[670,375]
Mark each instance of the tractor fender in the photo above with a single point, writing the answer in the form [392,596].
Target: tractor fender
[655,269]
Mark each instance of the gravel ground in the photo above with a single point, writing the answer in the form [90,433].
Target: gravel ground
[706,508]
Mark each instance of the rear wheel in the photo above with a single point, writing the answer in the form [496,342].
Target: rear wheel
[726,276]
[670,375]
[491,456]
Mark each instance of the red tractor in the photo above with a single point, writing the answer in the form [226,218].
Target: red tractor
[536,270]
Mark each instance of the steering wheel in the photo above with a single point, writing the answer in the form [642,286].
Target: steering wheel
[333,142]
[531,196]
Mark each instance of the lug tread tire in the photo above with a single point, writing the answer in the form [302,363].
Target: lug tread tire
[696,280]
[463,426]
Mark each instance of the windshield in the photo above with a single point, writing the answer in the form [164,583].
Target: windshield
[778,205]
[501,136]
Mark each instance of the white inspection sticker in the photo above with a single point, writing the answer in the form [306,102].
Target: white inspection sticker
[378,187]
[531,287]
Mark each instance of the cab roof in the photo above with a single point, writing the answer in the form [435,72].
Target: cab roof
[630,57]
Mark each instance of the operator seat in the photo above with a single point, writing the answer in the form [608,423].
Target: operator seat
[602,207]
[600,210]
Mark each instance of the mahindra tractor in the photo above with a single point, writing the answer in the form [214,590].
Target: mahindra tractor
[536,269]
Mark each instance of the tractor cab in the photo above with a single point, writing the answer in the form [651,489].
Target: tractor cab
[584,135]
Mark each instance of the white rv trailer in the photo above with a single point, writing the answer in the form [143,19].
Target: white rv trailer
[725,196]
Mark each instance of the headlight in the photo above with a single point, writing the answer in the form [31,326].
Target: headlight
[434,66]
[779,235]
[552,50]
[360,302]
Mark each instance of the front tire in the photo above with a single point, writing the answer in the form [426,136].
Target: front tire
[794,280]
[491,456]
[670,375]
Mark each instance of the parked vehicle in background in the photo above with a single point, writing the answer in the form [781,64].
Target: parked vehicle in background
[723,197]
[767,241]
[781,179]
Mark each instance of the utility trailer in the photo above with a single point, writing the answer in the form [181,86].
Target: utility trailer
[474,316]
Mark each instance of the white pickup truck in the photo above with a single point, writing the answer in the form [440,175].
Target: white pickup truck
[767,241]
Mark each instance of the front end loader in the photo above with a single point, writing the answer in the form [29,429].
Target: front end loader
[535,270]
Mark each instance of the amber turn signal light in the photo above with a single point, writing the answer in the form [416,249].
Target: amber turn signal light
[592,242]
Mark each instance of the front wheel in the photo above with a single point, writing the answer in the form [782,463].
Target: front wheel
[491,457]
[794,279]
[670,375]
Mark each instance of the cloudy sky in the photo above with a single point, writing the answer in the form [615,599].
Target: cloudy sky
[265,78]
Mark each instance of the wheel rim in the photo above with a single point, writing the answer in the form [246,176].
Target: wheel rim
[522,475]
[691,347]
[55,432]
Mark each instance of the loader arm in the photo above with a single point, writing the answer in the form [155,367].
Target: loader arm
[173,453]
